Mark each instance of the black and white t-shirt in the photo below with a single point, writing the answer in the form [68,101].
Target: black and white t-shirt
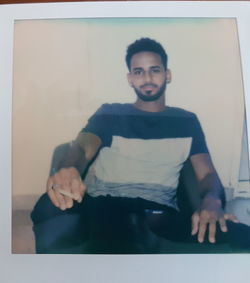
[142,152]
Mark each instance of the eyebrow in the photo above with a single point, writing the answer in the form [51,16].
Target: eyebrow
[151,67]
[155,67]
[137,69]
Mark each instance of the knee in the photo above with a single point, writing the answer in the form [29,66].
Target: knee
[58,233]
[44,210]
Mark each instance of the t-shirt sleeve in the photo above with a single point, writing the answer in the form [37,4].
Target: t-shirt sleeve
[198,138]
[97,124]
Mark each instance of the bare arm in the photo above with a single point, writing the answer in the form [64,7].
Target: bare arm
[208,180]
[211,191]
[66,181]
[80,152]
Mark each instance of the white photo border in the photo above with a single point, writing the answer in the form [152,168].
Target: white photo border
[116,268]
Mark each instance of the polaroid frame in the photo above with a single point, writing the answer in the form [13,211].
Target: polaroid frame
[134,268]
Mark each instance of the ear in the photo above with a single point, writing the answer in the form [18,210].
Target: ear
[168,76]
[129,79]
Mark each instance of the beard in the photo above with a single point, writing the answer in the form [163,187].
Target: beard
[148,97]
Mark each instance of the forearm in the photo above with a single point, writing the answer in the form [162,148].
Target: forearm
[210,187]
[73,157]
[78,154]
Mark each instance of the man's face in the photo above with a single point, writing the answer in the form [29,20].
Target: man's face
[147,76]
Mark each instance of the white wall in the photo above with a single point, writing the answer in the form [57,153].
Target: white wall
[65,69]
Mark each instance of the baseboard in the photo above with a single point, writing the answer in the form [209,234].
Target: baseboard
[24,202]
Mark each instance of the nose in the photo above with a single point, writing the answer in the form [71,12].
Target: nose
[147,77]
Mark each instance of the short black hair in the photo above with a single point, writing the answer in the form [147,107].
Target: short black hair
[146,44]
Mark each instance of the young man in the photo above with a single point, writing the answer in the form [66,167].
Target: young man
[140,149]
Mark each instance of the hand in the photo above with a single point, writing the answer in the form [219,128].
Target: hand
[64,187]
[207,217]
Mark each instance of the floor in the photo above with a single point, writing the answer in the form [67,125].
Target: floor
[22,235]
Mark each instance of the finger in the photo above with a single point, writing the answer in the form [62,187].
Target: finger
[195,223]
[202,231]
[76,188]
[65,192]
[212,231]
[83,189]
[60,199]
[231,217]
[49,184]
[51,193]
[68,201]
[223,225]
[53,197]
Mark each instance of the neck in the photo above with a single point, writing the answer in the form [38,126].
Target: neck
[151,106]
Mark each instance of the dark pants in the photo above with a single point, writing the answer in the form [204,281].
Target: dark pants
[118,225]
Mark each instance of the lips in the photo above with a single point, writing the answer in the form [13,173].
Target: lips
[148,88]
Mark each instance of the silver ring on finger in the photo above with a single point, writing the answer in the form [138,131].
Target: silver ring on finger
[54,186]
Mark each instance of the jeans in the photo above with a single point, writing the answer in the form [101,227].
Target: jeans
[108,224]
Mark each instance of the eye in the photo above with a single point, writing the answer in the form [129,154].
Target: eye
[156,71]
[137,72]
